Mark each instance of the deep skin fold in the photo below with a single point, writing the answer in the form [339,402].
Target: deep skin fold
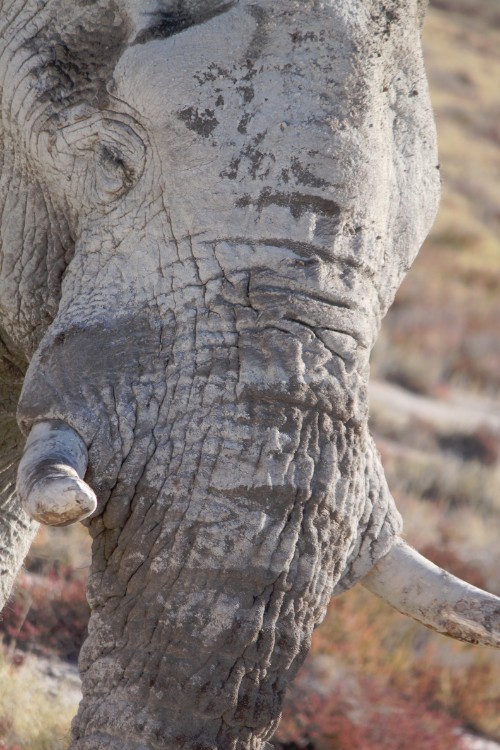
[210,339]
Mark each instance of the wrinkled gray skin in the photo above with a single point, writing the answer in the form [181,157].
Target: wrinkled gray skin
[207,208]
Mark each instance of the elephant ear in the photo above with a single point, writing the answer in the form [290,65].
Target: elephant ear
[52,63]
[35,248]
[49,64]
[16,528]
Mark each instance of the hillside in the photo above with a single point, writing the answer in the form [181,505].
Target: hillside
[443,329]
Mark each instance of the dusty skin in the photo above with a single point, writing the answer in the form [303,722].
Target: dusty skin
[206,210]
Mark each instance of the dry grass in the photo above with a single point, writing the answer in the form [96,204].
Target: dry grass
[464,68]
[445,479]
[69,546]
[32,716]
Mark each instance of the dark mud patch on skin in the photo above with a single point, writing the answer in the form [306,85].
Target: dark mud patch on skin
[202,122]
[298,203]
[305,177]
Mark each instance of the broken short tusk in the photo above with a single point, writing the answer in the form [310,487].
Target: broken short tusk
[416,587]
[49,479]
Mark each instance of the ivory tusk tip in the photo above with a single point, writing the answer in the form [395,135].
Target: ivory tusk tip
[60,500]
[418,588]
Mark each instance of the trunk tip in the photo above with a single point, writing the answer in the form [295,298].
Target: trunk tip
[50,476]
[60,500]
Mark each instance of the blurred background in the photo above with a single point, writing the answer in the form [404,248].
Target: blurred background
[374,680]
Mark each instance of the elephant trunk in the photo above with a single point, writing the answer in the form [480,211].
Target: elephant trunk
[418,588]
[51,489]
[218,549]
[228,512]
[49,480]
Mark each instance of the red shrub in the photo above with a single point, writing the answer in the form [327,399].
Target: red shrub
[377,718]
[48,614]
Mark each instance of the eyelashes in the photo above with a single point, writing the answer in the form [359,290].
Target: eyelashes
[166,25]
[168,22]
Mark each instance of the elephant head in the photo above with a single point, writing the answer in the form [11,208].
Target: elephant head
[208,206]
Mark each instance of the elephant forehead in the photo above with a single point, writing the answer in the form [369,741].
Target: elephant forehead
[263,125]
[254,56]
[273,122]
[150,74]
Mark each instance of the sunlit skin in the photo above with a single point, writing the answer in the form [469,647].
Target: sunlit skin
[223,206]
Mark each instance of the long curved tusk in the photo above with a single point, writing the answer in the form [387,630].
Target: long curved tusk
[49,479]
[416,587]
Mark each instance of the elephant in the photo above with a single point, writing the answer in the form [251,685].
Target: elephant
[207,207]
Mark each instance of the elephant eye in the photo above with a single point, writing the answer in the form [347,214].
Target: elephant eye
[113,158]
[113,175]
[119,159]
[105,149]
